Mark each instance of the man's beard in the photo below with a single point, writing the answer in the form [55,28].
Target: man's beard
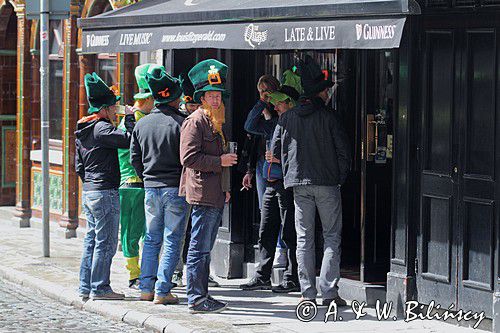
[217,116]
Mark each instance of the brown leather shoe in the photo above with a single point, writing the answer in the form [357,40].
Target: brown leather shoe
[168,299]
[147,296]
[111,296]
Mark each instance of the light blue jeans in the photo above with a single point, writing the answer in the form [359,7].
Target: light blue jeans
[165,224]
[102,209]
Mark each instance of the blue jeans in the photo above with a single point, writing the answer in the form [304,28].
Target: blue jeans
[260,180]
[165,224]
[102,209]
[205,224]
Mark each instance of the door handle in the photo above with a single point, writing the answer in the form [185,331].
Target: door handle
[371,137]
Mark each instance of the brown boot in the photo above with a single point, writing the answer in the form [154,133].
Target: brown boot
[168,299]
[147,296]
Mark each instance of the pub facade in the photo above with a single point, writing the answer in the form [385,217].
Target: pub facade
[418,91]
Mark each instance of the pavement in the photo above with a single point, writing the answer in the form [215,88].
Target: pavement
[249,311]
[23,309]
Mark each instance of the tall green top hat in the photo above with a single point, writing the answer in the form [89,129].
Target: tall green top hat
[99,95]
[187,90]
[164,88]
[314,79]
[140,78]
[208,75]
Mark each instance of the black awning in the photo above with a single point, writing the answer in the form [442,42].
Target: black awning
[248,24]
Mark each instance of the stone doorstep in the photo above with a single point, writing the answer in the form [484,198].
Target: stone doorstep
[348,289]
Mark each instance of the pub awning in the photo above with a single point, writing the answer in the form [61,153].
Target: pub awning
[248,24]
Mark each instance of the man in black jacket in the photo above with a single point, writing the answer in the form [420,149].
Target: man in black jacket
[315,155]
[154,153]
[97,141]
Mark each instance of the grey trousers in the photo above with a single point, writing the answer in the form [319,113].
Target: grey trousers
[329,203]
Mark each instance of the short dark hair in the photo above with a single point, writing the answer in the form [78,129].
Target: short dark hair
[269,81]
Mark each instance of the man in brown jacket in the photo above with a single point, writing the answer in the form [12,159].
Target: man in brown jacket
[202,156]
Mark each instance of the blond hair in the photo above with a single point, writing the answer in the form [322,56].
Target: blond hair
[270,81]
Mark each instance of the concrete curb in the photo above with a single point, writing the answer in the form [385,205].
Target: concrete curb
[104,308]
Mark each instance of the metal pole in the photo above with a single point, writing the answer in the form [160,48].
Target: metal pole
[44,111]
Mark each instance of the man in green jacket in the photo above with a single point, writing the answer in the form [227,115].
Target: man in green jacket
[132,216]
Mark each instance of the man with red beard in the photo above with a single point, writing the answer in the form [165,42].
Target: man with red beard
[203,180]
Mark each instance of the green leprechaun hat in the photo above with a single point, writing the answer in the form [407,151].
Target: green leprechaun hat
[164,88]
[284,93]
[187,90]
[99,95]
[208,75]
[140,78]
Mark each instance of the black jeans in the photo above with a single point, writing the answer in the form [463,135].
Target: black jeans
[277,210]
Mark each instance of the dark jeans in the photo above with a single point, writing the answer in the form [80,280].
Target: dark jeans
[277,213]
[205,222]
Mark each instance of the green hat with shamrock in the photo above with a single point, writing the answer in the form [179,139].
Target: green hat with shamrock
[140,78]
[164,88]
[208,75]
[99,95]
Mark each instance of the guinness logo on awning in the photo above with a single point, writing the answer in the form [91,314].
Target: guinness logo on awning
[359,31]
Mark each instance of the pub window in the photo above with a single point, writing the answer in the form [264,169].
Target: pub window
[56,80]
[106,67]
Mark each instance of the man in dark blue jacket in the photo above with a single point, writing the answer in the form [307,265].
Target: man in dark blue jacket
[259,125]
[277,213]
[315,155]
[97,141]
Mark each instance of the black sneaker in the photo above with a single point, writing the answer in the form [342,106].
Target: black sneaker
[213,299]
[209,305]
[286,287]
[338,300]
[257,284]
[133,284]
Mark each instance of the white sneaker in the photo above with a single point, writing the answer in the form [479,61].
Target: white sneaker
[280,259]
[212,282]
[177,279]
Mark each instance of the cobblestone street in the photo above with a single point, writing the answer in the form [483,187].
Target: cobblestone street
[25,310]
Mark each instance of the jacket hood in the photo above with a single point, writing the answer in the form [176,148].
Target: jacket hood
[84,129]
[309,106]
